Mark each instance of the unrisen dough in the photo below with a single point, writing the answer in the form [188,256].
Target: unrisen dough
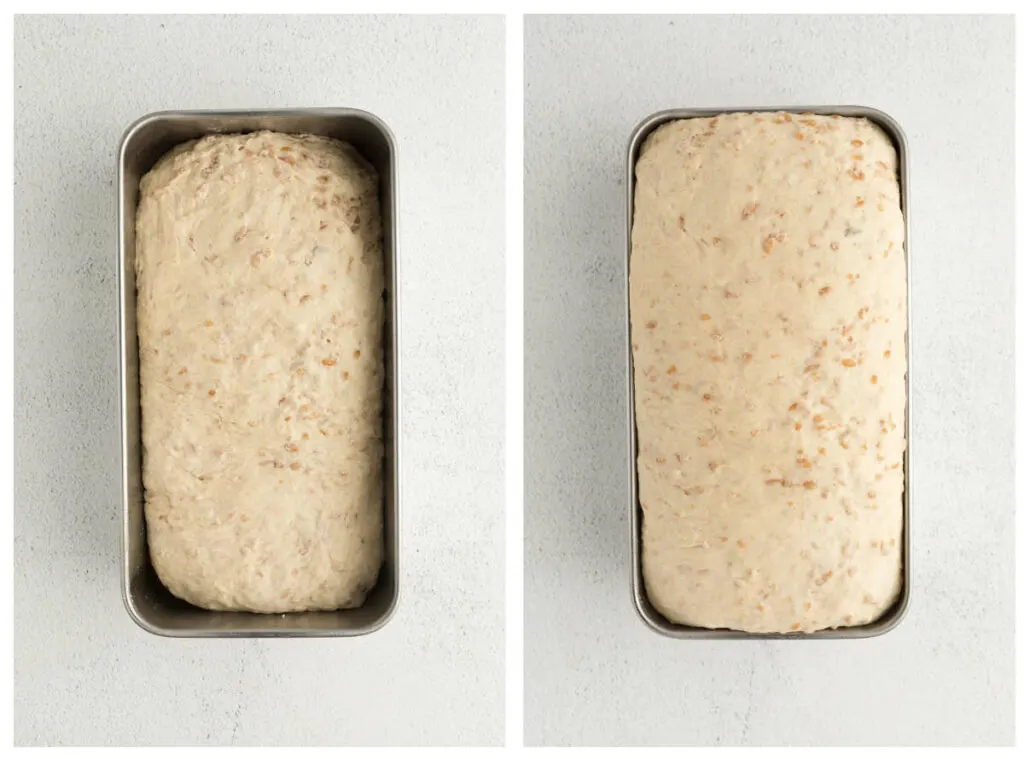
[768,310]
[260,321]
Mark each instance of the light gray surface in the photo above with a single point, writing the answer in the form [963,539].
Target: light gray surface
[594,673]
[84,674]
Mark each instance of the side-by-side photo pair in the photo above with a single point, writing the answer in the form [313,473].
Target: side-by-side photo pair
[262,408]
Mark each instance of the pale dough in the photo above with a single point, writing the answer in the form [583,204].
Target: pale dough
[260,320]
[768,321]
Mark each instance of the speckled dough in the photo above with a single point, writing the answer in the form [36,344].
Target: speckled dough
[768,310]
[260,320]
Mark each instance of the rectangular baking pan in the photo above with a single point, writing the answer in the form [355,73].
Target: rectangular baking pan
[148,602]
[643,606]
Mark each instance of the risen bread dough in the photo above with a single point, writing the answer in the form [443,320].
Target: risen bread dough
[260,321]
[768,311]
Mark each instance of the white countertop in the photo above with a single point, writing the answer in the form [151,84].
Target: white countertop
[84,673]
[594,673]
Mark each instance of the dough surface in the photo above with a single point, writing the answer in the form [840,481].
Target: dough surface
[768,322]
[260,320]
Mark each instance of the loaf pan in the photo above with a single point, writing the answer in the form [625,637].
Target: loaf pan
[148,602]
[643,606]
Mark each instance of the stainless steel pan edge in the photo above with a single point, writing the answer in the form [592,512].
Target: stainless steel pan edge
[648,614]
[147,602]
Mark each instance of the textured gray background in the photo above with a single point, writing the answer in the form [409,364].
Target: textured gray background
[84,674]
[594,673]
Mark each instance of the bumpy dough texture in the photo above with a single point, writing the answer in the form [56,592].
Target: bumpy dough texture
[768,310]
[260,319]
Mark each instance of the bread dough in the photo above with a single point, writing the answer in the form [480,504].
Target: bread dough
[260,321]
[768,320]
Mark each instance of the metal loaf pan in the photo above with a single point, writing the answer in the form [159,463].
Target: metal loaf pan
[148,602]
[643,606]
